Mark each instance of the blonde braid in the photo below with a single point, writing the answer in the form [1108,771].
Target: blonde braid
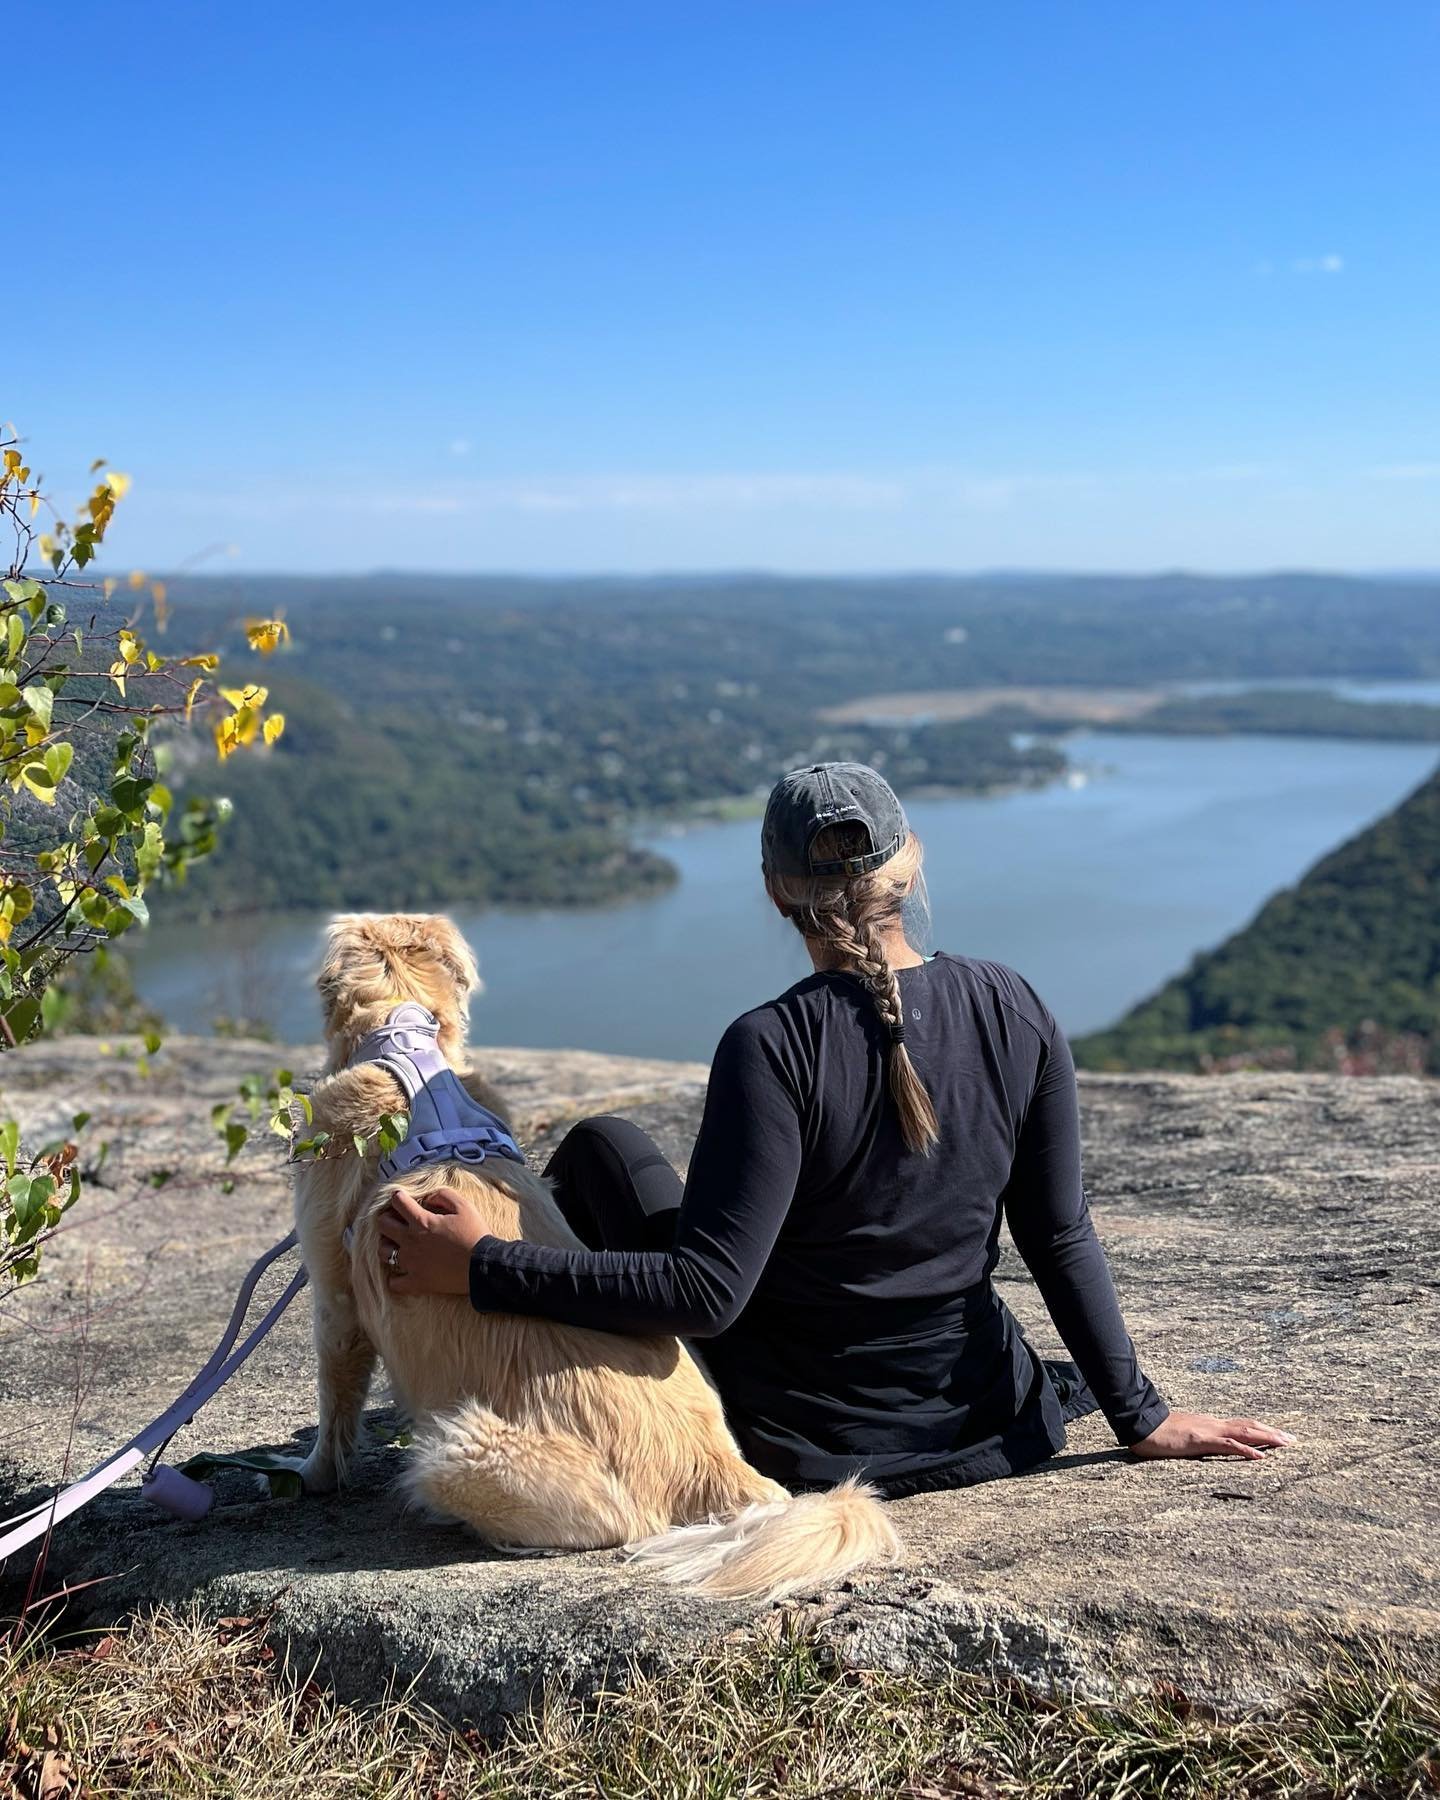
[843,915]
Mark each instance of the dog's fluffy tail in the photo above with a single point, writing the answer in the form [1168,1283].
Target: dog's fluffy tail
[775,1546]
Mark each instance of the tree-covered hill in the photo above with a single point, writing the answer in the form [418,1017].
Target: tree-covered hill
[1340,970]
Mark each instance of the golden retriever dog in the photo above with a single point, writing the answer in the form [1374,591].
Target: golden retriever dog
[536,1434]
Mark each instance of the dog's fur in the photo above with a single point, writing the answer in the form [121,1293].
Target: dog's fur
[537,1434]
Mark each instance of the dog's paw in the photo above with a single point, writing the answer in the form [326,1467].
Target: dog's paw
[317,1474]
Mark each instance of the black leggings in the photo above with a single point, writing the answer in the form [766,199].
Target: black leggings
[615,1186]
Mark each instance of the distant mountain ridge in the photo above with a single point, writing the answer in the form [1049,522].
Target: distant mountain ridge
[1342,970]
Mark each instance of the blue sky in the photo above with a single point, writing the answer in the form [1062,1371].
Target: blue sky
[800,284]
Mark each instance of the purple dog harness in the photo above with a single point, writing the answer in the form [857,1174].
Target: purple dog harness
[447,1124]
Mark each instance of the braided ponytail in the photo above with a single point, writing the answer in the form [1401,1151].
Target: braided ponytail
[844,916]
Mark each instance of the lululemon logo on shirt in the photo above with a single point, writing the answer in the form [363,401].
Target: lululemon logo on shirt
[914,1012]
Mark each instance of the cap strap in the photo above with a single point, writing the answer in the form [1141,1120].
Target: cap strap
[856,865]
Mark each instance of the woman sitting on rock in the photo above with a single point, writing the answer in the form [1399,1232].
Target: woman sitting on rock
[834,1241]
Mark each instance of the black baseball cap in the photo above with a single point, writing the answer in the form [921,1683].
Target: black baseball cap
[806,802]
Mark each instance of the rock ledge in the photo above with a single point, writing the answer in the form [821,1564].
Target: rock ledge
[1274,1238]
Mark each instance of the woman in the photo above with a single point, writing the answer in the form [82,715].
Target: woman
[834,1242]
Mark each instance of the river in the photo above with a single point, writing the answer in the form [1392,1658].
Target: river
[1097,889]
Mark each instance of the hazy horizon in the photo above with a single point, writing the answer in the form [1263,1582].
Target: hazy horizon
[744,572]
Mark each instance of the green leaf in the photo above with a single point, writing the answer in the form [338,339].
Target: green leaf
[17,1192]
[40,701]
[58,758]
[285,1482]
[22,1018]
[235,1137]
[10,1143]
[153,1041]
[133,905]
[394,1129]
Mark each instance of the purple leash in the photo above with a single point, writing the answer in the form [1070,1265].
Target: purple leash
[166,1487]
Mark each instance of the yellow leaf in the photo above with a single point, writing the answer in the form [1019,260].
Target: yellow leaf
[43,788]
[207,661]
[246,696]
[117,675]
[195,687]
[34,505]
[118,484]
[109,584]
[274,725]
[266,634]
[130,647]
[137,578]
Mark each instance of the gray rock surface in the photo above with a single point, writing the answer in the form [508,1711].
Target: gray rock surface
[1274,1239]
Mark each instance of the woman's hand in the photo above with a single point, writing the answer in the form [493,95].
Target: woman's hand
[1202,1434]
[425,1249]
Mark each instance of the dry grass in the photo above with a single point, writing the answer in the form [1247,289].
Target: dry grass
[177,1707]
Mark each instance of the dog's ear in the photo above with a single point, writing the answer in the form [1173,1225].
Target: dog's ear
[454,955]
[353,963]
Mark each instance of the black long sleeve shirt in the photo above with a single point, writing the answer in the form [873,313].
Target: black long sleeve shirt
[843,1283]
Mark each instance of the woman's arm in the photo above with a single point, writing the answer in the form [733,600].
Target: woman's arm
[741,1181]
[1049,1219]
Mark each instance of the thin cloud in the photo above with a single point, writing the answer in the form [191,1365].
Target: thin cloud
[1413,471]
[734,492]
[1238,471]
[1331,263]
[659,493]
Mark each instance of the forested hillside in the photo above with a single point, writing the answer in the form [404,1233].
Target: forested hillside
[490,738]
[1341,970]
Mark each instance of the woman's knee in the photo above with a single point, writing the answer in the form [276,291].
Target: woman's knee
[614,1182]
